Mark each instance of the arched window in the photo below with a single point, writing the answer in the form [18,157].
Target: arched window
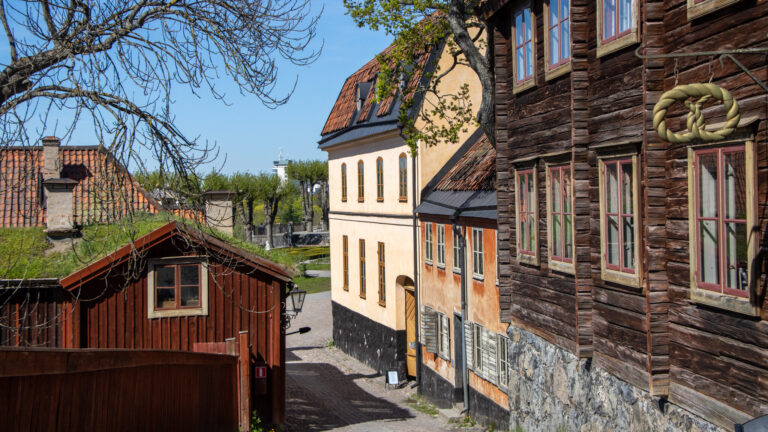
[343,182]
[360,186]
[379,179]
[403,178]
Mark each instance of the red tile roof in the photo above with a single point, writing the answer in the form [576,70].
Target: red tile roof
[344,110]
[105,188]
[476,170]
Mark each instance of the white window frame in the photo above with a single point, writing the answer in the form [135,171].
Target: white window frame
[441,245]
[478,254]
[199,311]
[428,243]
[457,264]
[443,328]
[502,361]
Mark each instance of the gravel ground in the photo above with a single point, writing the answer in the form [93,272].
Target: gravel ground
[330,391]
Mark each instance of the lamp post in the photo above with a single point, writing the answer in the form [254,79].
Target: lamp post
[296,297]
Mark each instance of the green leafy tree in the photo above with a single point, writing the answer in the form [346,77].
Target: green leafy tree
[419,26]
[308,174]
[270,190]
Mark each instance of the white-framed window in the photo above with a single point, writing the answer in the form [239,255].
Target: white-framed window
[502,353]
[478,263]
[527,213]
[444,336]
[477,351]
[617,25]
[428,243]
[560,225]
[457,259]
[177,287]
[524,49]
[620,220]
[441,245]
[698,8]
[722,224]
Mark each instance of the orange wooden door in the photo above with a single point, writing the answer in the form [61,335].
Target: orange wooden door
[410,332]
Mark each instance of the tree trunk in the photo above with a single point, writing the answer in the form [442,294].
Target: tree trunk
[270,212]
[306,206]
[324,205]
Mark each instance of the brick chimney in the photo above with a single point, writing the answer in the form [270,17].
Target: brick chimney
[219,212]
[59,207]
[51,158]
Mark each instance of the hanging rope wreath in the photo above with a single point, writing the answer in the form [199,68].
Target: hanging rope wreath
[695,121]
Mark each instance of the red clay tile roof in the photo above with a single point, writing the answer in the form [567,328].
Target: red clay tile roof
[476,170]
[105,188]
[344,110]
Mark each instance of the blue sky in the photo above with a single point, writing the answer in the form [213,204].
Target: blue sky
[248,134]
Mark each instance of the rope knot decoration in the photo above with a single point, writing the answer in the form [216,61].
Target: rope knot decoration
[695,121]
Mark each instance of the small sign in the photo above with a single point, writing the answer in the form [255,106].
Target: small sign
[260,372]
[392,378]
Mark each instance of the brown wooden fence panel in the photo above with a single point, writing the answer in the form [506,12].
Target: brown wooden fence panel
[117,390]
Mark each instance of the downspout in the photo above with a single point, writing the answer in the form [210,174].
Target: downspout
[464,370]
[416,275]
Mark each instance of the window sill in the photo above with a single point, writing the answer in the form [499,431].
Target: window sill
[478,277]
[343,200]
[457,271]
[441,267]
[706,6]
[557,71]
[724,301]
[632,280]
[345,288]
[562,267]
[360,200]
[178,313]
[380,200]
[528,259]
[362,296]
[617,44]
[382,304]
[428,262]
[525,85]
[403,200]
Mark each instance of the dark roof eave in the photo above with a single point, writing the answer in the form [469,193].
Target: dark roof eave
[323,142]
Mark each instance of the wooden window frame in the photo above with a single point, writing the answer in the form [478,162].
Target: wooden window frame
[477,348]
[441,246]
[502,361]
[360,181]
[525,255]
[478,254]
[379,179]
[345,262]
[717,295]
[555,262]
[344,182]
[563,66]
[456,246]
[612,273]
[528,81]
[201,310]
[699,8]
[403,177]
[361,245]
[619,40]
[428,243]
[382,274]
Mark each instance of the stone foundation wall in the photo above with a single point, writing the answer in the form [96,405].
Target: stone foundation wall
[487,412]
[374,344]
[551,389]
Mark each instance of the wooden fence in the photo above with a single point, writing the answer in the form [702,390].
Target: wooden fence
[126,390]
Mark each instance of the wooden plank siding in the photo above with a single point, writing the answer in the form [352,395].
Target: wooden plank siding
[708,360]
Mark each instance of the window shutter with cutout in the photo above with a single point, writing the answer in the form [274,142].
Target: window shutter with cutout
[429,329]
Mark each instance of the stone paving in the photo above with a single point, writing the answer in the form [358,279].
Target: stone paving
[326,390]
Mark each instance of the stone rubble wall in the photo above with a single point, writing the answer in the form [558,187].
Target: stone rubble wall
[550,389]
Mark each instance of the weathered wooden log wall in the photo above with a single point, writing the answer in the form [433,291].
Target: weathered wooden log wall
[708,360]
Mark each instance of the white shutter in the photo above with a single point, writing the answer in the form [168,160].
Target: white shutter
[445,336]
[469,345]
[429,329]
[492,372]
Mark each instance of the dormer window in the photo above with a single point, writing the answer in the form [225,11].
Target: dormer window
[361,93]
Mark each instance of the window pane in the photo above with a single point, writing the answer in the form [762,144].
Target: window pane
[568,234]
[567,190]
[553,13]
[609,18]
[527,19]
[528,59]
[613,240]
[557,197]
[612,188]
[531,235]
[519,31]
[520,64]
[629,242]
[190,296]
[626,186]
[707,185]
[165,298]
[708,262]
[557,246]
[736,255]
[625,15]
[565,12]
[165,276]
[190,274]
[565,39]
[554,39]
[735,197]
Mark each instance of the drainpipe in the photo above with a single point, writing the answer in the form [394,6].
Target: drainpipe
[416,275]
[465,372]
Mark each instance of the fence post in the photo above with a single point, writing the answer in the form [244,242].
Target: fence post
[244,363]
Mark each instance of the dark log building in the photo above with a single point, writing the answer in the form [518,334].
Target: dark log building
[631,264]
